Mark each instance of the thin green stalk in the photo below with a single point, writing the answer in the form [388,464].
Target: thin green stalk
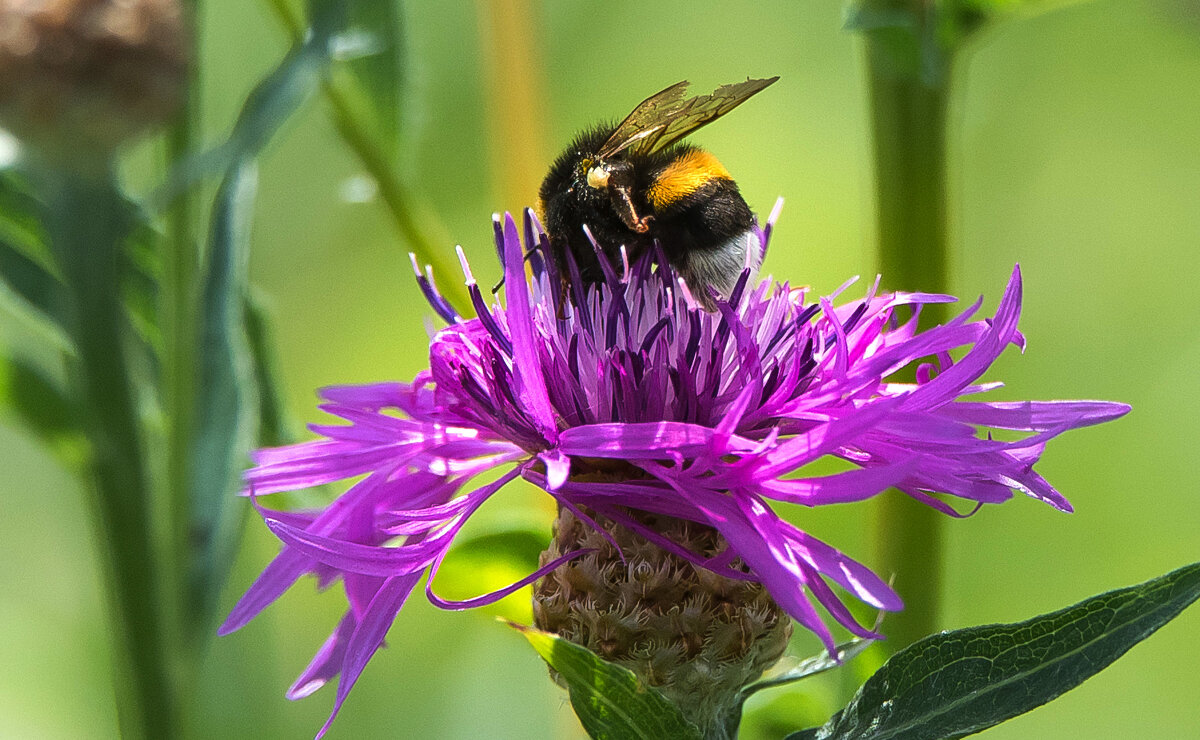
[180,277]
[87,224]
[908,112]
[395,195]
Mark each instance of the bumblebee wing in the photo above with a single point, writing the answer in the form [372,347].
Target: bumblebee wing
[646,120]
[666,117]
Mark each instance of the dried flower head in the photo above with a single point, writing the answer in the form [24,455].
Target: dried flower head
[662,431]
[89,74]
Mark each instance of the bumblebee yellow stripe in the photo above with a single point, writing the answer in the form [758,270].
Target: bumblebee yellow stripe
[684,176]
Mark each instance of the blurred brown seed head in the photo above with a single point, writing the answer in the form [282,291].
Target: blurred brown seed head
[79,76]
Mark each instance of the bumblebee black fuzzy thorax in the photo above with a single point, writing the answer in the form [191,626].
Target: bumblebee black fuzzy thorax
[632,183]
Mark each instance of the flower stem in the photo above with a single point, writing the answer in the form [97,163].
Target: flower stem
[908,111]
[402,206]
[88,221]
[181,275]
[396,196]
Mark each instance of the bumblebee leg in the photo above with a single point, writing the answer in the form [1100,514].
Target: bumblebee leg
[622,201]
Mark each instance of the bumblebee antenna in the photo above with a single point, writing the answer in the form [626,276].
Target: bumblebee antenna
[496,288]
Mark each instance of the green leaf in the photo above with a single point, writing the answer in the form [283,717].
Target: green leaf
[611,702]
[958,683]
[275,426]
[141,275]
[268,106]
[26,268]
[919,42]
[413,219]
[282,92]
[41,402]
[32,283]
[20,222]
[994,9]
[226,412]
[520,545]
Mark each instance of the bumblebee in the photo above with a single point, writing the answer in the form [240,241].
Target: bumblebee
[634,183]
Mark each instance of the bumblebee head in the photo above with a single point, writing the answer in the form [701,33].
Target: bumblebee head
[596,173]
[602,174]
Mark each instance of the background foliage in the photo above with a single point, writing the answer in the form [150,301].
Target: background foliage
[1074,151]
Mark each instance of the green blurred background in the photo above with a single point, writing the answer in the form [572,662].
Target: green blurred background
[1075,151]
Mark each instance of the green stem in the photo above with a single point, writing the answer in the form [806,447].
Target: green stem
[396,197]
[909,119]
[88,221]
[181,275]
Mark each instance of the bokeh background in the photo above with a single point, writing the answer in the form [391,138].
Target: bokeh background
[1075,151]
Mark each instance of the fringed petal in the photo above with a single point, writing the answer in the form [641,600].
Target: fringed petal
[626,396]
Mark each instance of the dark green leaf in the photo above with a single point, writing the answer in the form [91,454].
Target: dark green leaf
[957,683]
[275,427]
[25,264]
[20,222]
[42,404]
[32,283]
[611,702]
[142,273]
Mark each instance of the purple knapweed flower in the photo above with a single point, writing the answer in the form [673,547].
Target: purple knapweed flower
[710,415]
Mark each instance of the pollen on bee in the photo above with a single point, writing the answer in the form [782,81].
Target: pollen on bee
[597,177]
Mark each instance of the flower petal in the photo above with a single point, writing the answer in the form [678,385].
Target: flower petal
[368,636]
[644,440]
[327,663]
[558,467]
[1035,416]
[527,370]
[839,488]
